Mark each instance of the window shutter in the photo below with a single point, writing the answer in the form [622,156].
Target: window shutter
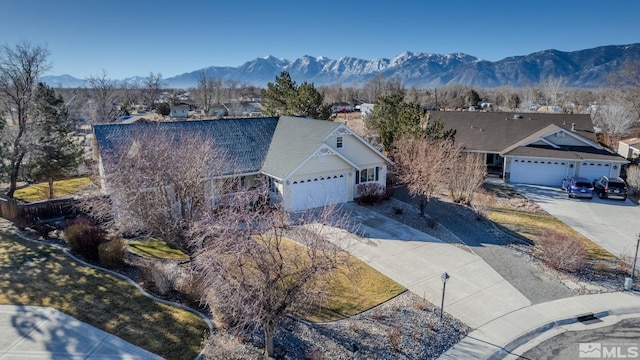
[377,171]
[357,177]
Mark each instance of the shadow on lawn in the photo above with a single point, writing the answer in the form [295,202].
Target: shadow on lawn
[34,274]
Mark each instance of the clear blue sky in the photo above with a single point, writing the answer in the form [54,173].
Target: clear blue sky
[135,37]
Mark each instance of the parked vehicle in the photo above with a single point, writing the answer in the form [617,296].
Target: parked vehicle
[610,188]
[578,187]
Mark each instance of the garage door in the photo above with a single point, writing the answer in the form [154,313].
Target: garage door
[538,172]
[318,191]
[593,170]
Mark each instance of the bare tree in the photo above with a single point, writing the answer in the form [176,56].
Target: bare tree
[464,176]
[553,90]
[628,81]
[421,164]
[159,183]
[104,98]
[208,92]
[151,89]
[616,120]
[20,68]
[380,86]
[257,266]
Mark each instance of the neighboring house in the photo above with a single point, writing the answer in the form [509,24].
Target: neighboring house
[629,149]
[179,111]
[533,148]
[309,163]
[341,106]
[366,109]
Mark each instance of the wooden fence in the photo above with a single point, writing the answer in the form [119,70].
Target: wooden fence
[31,213]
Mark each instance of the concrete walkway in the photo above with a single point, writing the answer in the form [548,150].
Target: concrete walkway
[475,293]
[33,332]
[512,334]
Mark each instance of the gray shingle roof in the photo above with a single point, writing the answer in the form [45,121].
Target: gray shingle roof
[570,153]
[246,140]
[496,131]
[294,140]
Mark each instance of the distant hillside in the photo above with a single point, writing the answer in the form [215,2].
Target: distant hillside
[582,69]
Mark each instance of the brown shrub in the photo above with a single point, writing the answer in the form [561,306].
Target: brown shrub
[395,338]
[483,201]
[111,254]
[561,251]
[371,193]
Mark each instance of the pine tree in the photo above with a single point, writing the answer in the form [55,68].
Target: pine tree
[55,152]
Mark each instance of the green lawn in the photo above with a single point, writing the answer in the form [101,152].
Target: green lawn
[62,188]
[157,248]
[36,274]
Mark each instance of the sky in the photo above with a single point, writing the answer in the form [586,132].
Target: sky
[126,38]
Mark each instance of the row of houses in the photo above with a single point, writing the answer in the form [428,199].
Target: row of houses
[311,163]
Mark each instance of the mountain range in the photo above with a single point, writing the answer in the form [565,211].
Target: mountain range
[588,68]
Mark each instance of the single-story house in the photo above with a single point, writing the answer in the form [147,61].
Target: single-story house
[533,148]
[629,148]
[308,163]
[179,111]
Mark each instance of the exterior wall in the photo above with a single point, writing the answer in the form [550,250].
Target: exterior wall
[322,164]
[354,150]
[566,140]
[382,179]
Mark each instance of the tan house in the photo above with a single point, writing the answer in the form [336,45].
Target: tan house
[629,149]
[533,148]
[309,163]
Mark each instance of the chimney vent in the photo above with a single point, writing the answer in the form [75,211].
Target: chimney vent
[573,126]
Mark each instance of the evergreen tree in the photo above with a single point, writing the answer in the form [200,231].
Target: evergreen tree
[285,97]
[392,117]
[55,152]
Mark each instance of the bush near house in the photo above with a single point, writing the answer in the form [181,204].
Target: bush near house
[561,251]
[371,193]
[84,237]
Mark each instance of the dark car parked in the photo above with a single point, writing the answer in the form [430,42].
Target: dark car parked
[578,187]
[610,188]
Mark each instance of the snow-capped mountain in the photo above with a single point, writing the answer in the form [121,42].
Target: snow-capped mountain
[584,68]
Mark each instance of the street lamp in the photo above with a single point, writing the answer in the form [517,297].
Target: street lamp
[635,258]
[444,278]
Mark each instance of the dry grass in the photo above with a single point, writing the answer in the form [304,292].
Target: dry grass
[62,188]
[533,225]
[35,274]
[353,288]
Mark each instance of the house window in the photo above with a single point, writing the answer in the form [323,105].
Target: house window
[367,175]
[339,142]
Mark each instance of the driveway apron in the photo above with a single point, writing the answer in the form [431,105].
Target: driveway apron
[475,292]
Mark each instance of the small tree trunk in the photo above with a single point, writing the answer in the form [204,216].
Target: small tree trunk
[50,187]
[269,330]
[423,204]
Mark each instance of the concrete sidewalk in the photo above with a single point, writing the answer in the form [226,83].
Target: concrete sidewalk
[512,334]
[475,293]
[33,332]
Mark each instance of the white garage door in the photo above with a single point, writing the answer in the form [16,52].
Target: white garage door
[538,172]
[593,170]
[318,191]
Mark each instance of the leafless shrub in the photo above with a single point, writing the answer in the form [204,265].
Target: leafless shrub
[431,223]
[422,163]
[395,338]
[633,178]
[371,193]
[603,267]
[482,203]
[464,176]
[159,182]
[624,263]
[561,251]
[255,267]
[421,304]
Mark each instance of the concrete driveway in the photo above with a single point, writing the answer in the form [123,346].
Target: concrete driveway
[613,224]
[475,293]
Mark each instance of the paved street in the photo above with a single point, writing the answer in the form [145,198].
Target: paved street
[613,224]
